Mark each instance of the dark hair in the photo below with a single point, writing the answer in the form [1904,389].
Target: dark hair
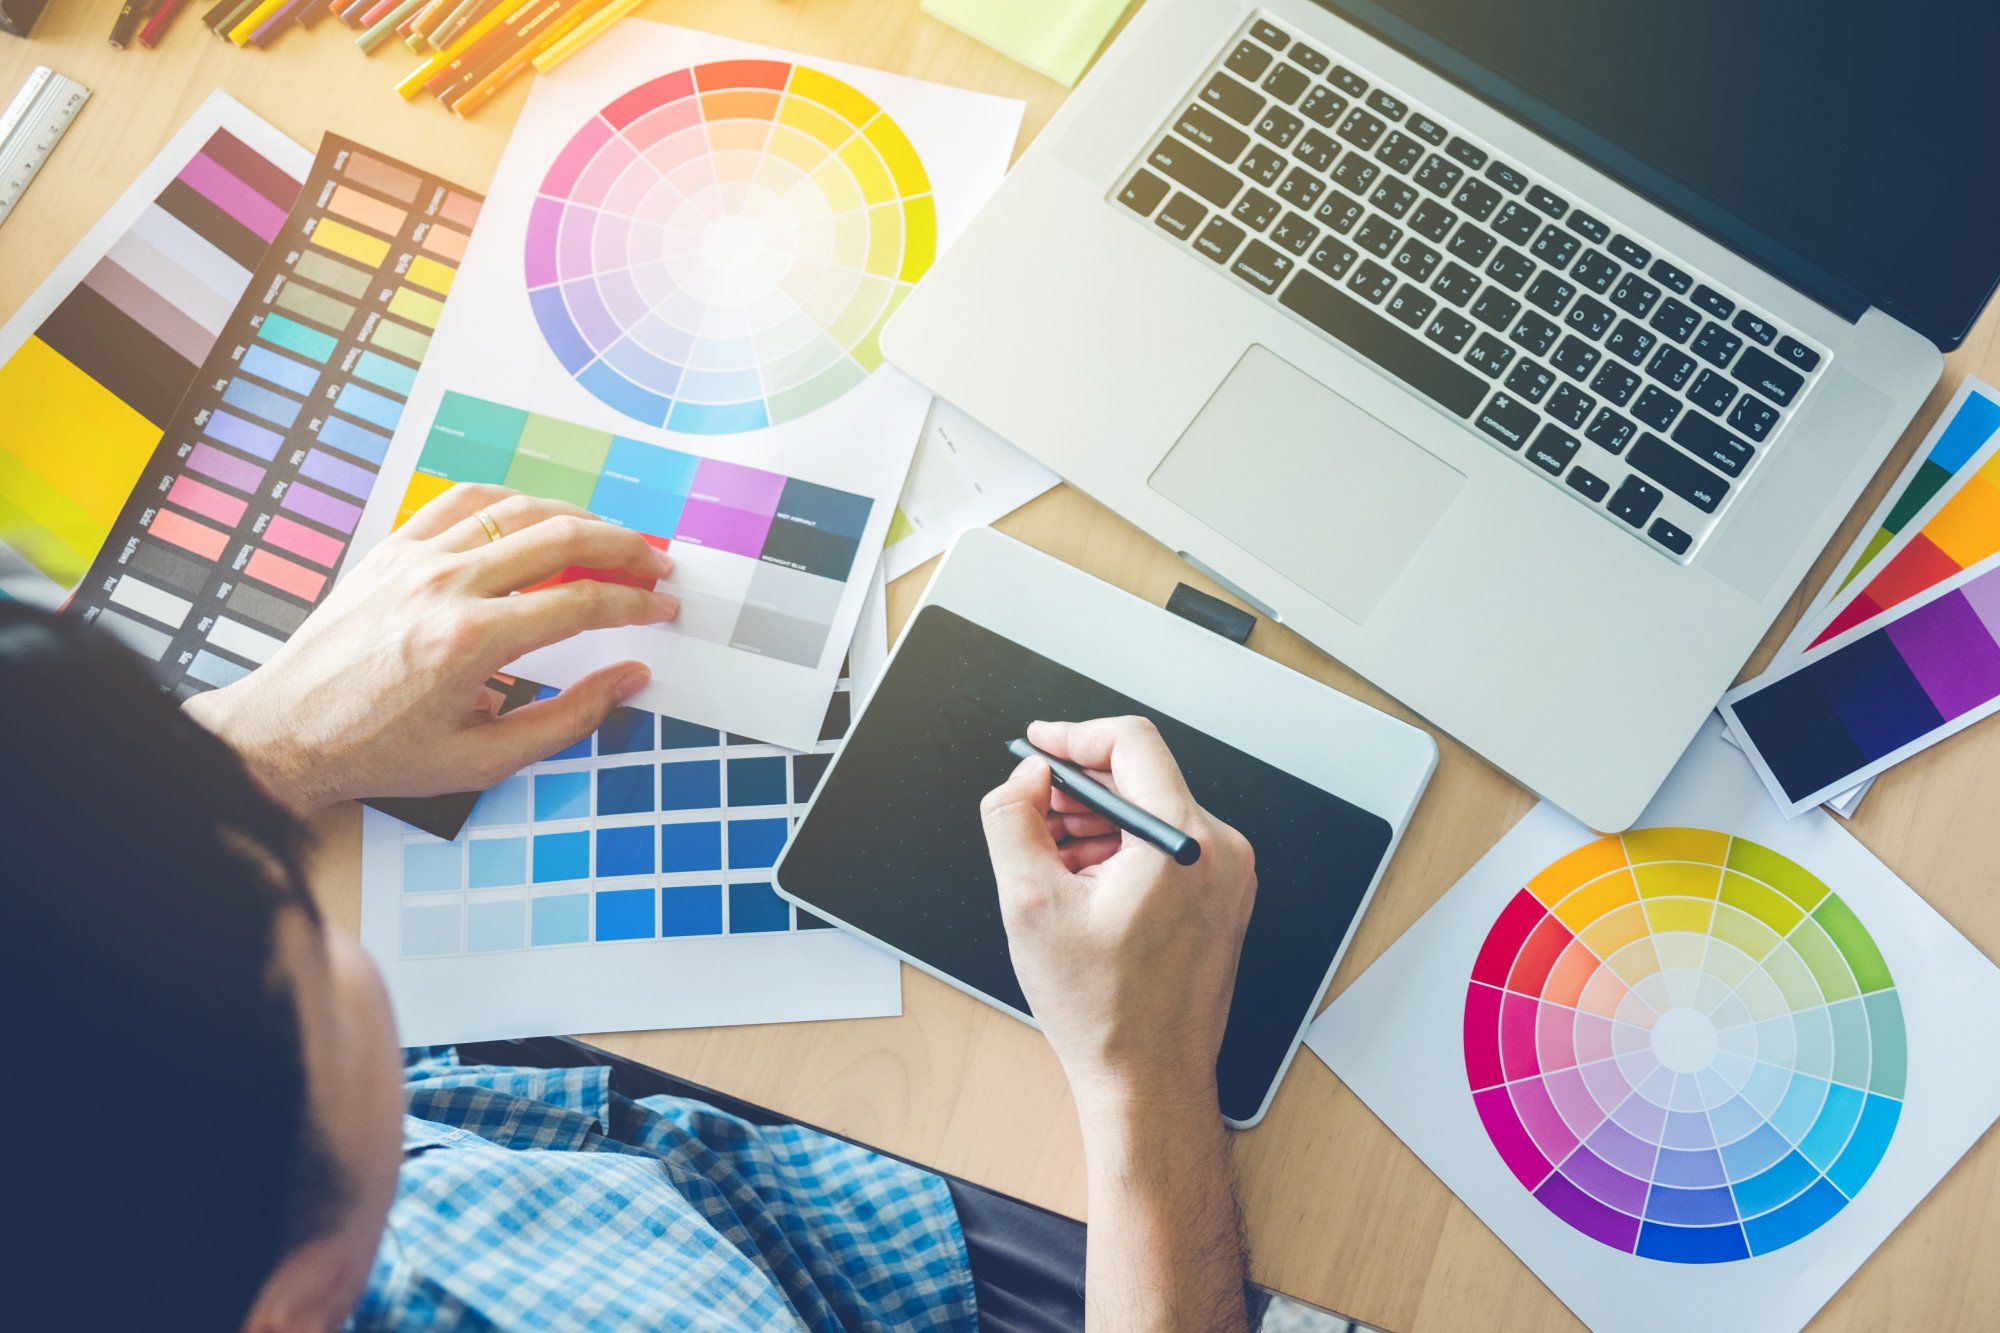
[160,1153]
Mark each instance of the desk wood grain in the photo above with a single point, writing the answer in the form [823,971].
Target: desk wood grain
[1338,1212]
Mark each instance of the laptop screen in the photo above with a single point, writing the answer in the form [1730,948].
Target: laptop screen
[1837,144]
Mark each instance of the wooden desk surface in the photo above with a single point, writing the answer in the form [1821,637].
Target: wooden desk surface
[1339,1213]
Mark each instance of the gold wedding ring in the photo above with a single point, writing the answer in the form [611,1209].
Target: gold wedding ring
[486,521]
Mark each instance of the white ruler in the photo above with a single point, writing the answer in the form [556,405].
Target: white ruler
[32,126]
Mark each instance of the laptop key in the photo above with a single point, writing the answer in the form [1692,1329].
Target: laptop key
[1671,367]
[1712,444]
[1219,239]
[1714,302]
[1437,175]
[1496,309]
[1549,293]
[1638,256]
[1427,129]
[1361,129]
[1416,363]
[1432,220]
[1575,357]
[1387,105]
[1338,213]
[1232,99]
[1182,215]
[1248,61]
[1635,296]
[1470,154]
[1449,330]
[1355,173]
[1656,407]
[1322,106]
[1675,320]
[1588,317]
[1347,81]
[1587,484]
[1301,189]
[1393,197]
[1371,281]
[1711,393]
[1635,501]
[1180,161]
[1378,234]
[1490,355]
[1554,247]
[1261,266]
[1212,132]
[1681,475]
[1670,277]
[1630,342]
[1753,417]
[1255,210]
[1506,177]
[1316,150]
[1552,204]
[1400,152]
[1595,271]
[1263,164]
[1471,245]
[1411,306]
[1293,234]
[1756,327]
[1716,345]
[1610,432]
[1552,450]
[1669,536]
[1477,198]
[1507,421]
[1416,261]
[1142,194]
[1588,227]
[1332,258]
[1510,268]
[1770,377]
[1455,284]
[1515,223]
[1269,34]
[1307,58]
[1531,382]
[1616,383]
[1286,82]
[1795,353]
[1570,405]
[1279,126]
[1535,333]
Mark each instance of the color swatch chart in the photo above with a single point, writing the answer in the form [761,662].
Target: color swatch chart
[88,396]
[718,249]
[1685,1045]
[1850,711]
[653,828]
[244,512]
[760,560]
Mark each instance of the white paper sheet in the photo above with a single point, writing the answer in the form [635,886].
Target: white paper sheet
[577,902]
[1397,1037]
[964,476]
[490,346]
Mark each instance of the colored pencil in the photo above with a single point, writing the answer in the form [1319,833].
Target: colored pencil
[485,56]
[249,23]
[456,19]
[386,25]
[477,89]
[417,33]
[413,82]
[368,13]
[213,18]
[281,18]
[130,17]
[157,25]
[583,34]
[242,10]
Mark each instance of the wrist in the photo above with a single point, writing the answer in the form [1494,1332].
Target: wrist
[235,716]
[1134,1105]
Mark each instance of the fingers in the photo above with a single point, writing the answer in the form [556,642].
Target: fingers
[1015,817]
[1130,748]
[510,513]
[1081,855]
[550,615]
[510,743]
[454,505]
[544,549]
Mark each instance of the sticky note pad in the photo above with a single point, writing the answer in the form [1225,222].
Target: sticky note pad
[1058,38]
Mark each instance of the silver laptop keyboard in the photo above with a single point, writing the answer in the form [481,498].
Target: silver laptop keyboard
[1643,388]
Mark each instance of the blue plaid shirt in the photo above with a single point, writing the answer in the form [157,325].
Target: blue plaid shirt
[539,1199]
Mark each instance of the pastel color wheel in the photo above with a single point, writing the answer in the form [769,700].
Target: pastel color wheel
[1684,1045]
[717,250]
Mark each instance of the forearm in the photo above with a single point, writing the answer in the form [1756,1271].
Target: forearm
[1165,1254]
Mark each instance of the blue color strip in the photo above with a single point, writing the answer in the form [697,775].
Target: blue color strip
[217,671]
[1692,1245]
[755,908]
[690,847]
[337,473]
[691,909]
[259,401]
[625,914]
[625,851]
[431,867]
[282,371]
[560,856]
[1800,1217]
[755,843]
[1978,417]
[1865,1147]
[564,920]
[237,433]
[497,863]
[349,438]
[370,407]
[717,419]
[623,394]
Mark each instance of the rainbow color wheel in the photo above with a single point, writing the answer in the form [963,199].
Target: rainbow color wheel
[1684,1045]
[717,250]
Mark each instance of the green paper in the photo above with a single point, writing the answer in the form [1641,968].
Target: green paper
[1056,38]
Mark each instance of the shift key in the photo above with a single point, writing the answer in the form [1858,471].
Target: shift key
[1183,162]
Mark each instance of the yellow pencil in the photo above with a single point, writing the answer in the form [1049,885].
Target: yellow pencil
[418,77]
[480,93]
[240,34]
[580,36]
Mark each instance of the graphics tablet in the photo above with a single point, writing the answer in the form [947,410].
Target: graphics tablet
[1322,785]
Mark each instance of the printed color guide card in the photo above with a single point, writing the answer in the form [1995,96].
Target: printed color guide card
[623,883]
[94,363]
[251,497]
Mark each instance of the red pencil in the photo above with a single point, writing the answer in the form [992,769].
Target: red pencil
[157,25]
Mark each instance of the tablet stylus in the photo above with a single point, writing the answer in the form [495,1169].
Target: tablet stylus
[1111,805]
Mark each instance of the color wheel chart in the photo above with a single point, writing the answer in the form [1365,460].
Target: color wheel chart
[717,250]
[1684,1045]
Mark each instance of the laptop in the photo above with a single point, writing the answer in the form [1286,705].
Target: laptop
[1522,357]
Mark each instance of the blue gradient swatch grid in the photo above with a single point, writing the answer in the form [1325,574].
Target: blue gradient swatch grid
[651,828]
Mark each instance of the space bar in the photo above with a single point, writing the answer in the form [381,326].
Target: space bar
[1366,331]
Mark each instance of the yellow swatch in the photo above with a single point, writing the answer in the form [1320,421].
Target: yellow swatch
[429,273]
[416,307]
[423,489]
[345,240]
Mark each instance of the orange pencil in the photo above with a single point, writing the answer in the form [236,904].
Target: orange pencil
[413,83]
[482,92]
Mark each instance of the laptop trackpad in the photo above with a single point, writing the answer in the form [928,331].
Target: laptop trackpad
[1308,483]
